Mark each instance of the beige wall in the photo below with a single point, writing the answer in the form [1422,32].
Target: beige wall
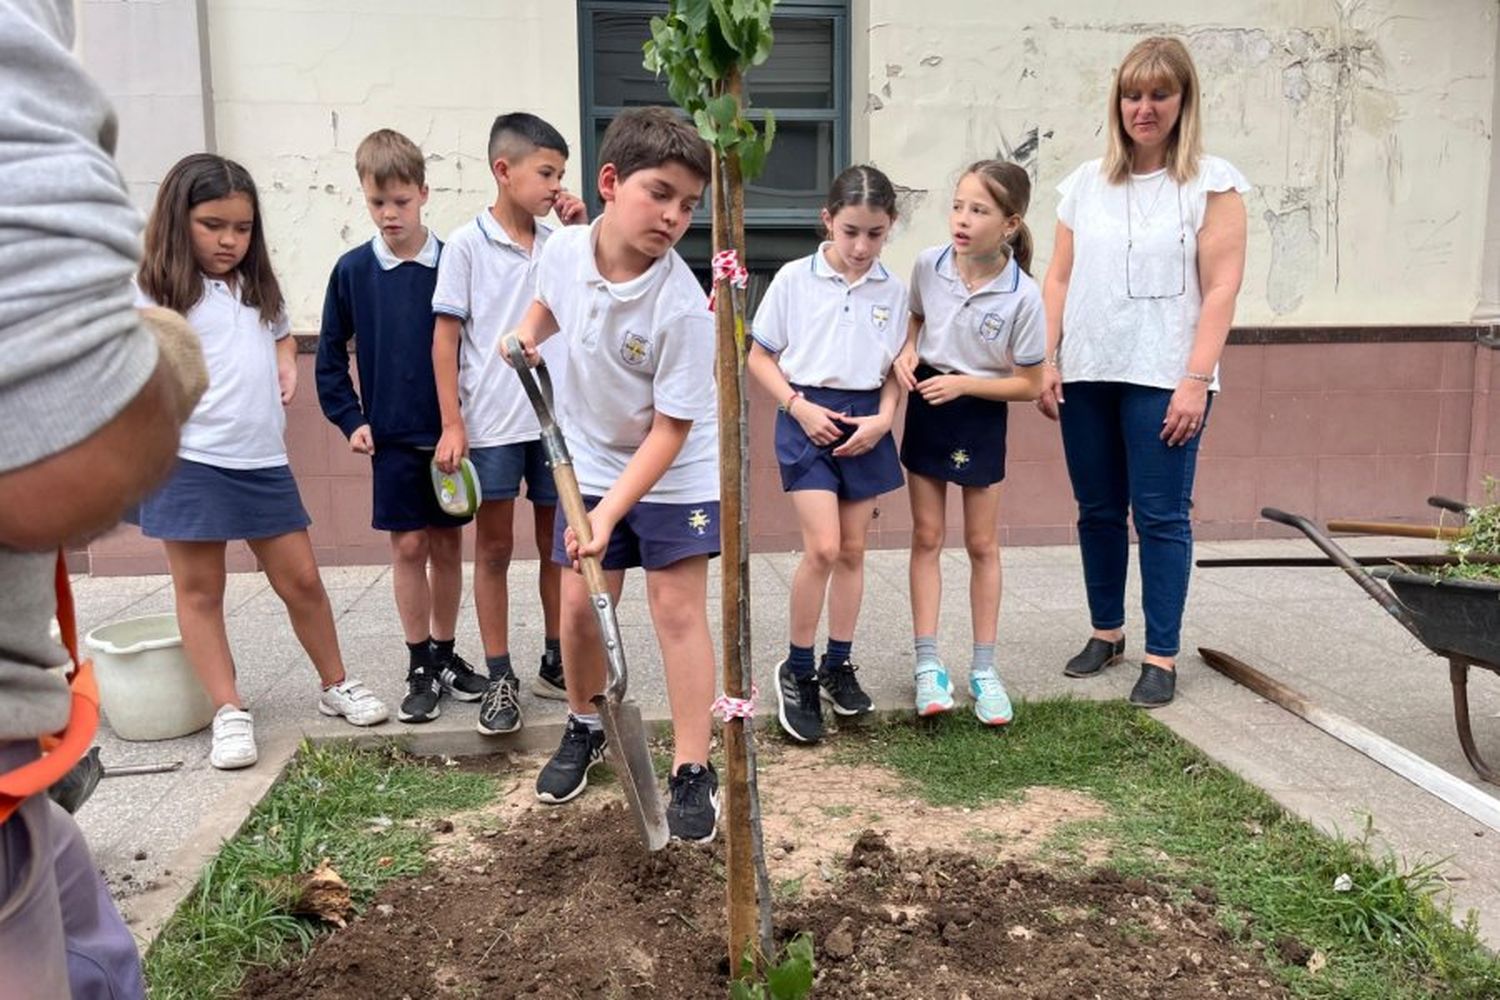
[1366,127]
[297,84]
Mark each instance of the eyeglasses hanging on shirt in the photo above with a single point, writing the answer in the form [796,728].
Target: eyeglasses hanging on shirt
[1155,264]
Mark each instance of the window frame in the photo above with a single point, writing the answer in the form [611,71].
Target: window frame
[836,11]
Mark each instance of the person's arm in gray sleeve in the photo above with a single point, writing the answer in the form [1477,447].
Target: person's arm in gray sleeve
[91,407]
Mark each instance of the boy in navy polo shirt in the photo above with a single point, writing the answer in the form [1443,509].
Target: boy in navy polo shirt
[381,293]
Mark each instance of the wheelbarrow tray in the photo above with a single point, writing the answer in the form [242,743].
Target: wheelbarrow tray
[1451,616]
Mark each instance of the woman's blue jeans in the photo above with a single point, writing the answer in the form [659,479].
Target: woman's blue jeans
[1119,465]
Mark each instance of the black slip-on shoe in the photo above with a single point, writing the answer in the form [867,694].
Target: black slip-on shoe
[1155,687]
[1097,654]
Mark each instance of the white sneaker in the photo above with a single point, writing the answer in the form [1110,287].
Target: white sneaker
[354,702]
[234,739]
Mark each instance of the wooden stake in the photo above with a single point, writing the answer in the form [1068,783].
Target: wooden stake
[744,853]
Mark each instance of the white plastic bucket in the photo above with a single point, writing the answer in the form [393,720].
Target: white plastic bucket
[146,687]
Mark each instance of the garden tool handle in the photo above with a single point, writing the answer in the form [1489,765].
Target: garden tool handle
[1433,533]
[538,386]
[1448,504]
[1381,594]
[570,499]
[537,381]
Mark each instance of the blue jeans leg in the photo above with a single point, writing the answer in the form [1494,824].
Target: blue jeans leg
[1119,465]
[1161,500]
[1095,448]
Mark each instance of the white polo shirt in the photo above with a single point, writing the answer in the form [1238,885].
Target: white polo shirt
[986,332]
[388,261]
[487,280]
[240,422]
[633,349]
[827,332]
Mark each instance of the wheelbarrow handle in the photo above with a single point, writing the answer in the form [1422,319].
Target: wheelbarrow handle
[1381,594]
[1448,504]
[538,385]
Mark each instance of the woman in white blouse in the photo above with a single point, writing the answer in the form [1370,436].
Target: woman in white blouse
[1146,265]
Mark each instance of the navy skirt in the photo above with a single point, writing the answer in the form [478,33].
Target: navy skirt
[806,466]
[204,503]
[962,441]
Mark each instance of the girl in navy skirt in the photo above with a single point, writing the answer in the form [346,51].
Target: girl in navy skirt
[206,257]
[825,337]
[976,339]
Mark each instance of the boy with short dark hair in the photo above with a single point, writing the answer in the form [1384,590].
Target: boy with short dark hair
[484,286]
[644,441]
[380,295]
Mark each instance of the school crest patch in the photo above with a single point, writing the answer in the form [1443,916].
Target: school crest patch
[880,316]
[698,521]
[991,326]
[635,350]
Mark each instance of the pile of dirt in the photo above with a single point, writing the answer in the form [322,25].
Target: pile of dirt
[563,904]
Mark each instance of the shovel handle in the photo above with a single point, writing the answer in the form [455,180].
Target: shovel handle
[570,499]
[1434,533]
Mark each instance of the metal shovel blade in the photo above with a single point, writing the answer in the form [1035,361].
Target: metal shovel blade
[632,763]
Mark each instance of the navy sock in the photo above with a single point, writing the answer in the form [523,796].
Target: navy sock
[838,652]
[420,653]
[800,660]
[498,666]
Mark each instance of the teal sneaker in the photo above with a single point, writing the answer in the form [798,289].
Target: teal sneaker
[991,703]
[934,689]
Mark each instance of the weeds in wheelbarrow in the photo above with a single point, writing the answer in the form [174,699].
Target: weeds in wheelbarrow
[1480,536]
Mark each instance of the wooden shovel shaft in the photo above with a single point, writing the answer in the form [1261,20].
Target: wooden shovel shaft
[570,499]
[1435,533]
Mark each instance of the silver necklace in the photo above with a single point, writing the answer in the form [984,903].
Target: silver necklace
[1147,211]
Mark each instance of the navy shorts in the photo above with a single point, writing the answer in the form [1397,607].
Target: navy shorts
[652,535]
[404,498]
[204,503]
[807,466]
[961,441]
[502,467]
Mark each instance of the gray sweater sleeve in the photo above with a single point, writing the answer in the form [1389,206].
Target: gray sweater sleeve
[73,351]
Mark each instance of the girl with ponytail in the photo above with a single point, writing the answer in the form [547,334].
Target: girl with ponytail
[976,339]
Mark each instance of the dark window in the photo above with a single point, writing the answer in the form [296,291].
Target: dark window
[805,82]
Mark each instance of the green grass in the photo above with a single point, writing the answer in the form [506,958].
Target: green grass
[1178,817]
[332,803]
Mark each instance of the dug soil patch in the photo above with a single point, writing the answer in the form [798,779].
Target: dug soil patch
[903,900]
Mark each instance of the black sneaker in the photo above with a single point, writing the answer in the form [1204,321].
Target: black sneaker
[423,689]
[500,711]
[460,680]
[799,705]
[693,813]
[841,688]
[567,773]
[549,678]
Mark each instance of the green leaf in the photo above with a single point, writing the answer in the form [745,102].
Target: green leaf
[724,109]
[694,14]
[706,127]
